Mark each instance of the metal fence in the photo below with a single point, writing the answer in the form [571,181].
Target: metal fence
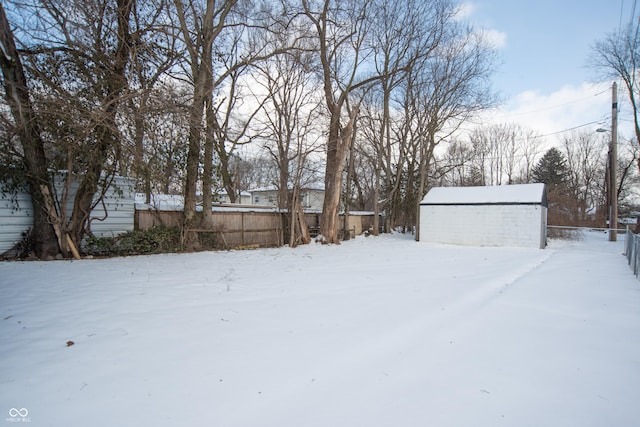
[632,251]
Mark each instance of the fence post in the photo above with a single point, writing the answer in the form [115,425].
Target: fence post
[242,234]
[632,256]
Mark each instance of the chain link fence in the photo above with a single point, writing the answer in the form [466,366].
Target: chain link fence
[632,251]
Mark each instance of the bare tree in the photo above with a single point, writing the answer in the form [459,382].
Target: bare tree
[290,113]
[201,25]
[222,40]
[628,176]
[451,88]
[504,152]
[341,28]
[367,162]
[529,142]
[166,127]
[153,54]
[586,154]
[616,56]
[80,64]
[39,183]
[404,33]
[457,162]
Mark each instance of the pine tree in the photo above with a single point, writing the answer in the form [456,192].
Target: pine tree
[552,168]
[553,171]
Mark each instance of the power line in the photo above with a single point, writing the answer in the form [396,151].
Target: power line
[527,138]
[568,129]
[551,107]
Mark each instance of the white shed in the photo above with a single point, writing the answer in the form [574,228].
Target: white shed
[507,215]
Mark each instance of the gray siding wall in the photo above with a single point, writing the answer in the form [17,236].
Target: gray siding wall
[113,218]
[119,202]
[15,218]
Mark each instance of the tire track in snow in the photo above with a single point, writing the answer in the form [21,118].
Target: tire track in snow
[494,289]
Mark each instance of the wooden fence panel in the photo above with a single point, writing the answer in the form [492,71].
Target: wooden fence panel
[146,219]
[230,229]
[244,228]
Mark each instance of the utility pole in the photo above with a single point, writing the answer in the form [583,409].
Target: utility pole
[613,167]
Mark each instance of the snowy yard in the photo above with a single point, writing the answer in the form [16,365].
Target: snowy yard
[374,332]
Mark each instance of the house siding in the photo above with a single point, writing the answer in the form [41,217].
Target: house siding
[311,199]
[120,210]
[17,218]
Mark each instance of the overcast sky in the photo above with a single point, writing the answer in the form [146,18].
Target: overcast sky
[544,48]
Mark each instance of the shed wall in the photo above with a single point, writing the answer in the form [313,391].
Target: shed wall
[484,225]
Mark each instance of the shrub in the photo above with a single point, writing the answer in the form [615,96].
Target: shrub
[159,239]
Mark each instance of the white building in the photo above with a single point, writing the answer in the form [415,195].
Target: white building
[509,215]
[312,197]
[221,196]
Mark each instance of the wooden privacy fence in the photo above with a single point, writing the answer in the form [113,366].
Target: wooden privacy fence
[247,227]
[230,229]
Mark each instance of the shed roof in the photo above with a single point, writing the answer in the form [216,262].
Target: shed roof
[516,194]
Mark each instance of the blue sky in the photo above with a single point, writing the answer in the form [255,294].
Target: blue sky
[544,48]
[547,42]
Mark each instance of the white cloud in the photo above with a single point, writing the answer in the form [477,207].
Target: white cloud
[465,10]
[583,107]
[497,39]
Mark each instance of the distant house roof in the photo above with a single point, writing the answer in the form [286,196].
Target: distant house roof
[163,202]
[170,202]
[270,188]
[223,192]
[487,195]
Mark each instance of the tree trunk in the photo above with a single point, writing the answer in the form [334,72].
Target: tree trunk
[107,133]
[139,169]
[346,233]
[422,184]
[193,162]
[200,51]
[284,201]
[207,169]
[227,178]
[337,149]
[196,129]
[88,187]
[298,230]
[46,243]
[376,198]
[293,214]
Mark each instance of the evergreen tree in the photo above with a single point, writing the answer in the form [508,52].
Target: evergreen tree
[552,168]
[553,171]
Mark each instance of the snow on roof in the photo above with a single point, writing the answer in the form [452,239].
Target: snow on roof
[175,202]
[162,202]
[501,194]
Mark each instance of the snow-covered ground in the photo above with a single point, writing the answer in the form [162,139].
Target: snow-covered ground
[375,332]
